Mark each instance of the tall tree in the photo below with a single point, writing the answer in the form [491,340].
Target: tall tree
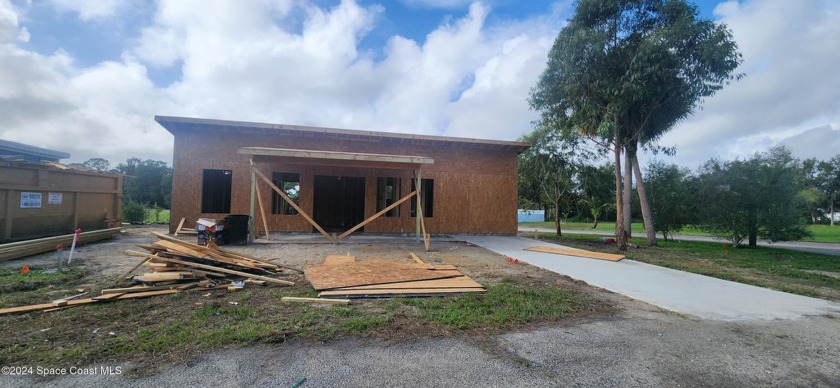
[552,164]
[624,72]
[829,180]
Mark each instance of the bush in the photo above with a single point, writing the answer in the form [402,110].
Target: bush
[133,212]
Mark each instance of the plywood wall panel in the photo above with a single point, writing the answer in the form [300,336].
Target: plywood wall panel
[475,190]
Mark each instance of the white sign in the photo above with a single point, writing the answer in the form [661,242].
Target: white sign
[30,200]
[54,198]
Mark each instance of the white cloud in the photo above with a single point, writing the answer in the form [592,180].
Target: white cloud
[445,4]
[791,53]
[90,9]
[9,28]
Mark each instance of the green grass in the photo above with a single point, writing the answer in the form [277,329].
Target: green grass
[163,217]
[504,304]
[786,270]
[822,233]
[825,233]
[191,323]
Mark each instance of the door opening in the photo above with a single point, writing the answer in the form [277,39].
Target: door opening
[339,202]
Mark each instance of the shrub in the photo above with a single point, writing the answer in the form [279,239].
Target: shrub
[133,212]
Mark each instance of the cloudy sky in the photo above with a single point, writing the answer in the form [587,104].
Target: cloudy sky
[88,76]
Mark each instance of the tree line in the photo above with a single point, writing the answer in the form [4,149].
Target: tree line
[769,195]
[147,184]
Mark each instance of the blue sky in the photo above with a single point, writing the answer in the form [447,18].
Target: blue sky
[87,76]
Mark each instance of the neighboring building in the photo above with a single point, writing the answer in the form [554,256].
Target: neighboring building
[339,178]
[531,215]
[40,197]
[10,150]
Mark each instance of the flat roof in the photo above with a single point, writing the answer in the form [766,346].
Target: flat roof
[32,150]
[175,124]
[334,155]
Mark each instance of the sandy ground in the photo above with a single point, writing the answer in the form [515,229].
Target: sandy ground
[634,344]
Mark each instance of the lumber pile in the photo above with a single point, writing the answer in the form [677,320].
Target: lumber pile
[170,260]
[176,266]
[344,277]
[20,249]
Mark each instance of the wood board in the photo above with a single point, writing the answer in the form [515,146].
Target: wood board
[44,306]
[390,292]
[576,252]
[339,260]
[455,282]
[325,277]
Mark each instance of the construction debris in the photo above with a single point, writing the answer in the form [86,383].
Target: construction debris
[344,277]
[177,266]
[315,300]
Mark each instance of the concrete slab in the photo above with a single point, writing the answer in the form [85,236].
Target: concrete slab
[678,291]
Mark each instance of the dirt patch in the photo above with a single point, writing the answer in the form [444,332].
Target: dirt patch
[179,327]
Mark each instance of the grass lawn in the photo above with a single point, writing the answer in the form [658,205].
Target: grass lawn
[160,329]
[825,233]
[801,273]
[822,233]
[163,217]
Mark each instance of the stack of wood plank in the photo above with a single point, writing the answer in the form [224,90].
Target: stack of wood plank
[19,249]
[176,266]
[344,277]
[174,261]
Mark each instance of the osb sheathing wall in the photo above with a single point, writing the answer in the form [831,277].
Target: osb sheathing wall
[475,190]
[88,200]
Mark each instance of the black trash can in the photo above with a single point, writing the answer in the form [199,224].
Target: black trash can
[236,229]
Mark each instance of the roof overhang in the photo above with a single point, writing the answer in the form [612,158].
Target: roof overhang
[335,155]
[176,125]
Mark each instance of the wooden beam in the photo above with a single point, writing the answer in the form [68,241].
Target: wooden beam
[252,230]
[131,271]
[292,204]
[180,225]
[262,211]
[415,258]
[333,155]
[426,237]
[314,300]
[375,216]
[228,271]
[45,306]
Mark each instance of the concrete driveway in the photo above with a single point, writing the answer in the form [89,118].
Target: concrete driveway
[678,291]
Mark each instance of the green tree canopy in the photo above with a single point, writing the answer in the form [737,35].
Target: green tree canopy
[623,72]
[753,198]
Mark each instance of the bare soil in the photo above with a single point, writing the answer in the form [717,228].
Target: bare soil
[82,332]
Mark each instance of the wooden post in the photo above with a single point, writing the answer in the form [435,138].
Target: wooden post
[251,209]
[417,208]
[291,203]
[262,212]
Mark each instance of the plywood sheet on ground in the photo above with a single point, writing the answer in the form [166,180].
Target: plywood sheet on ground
[456,282]
[339,260]
[389,292]
[325,277]
[576,252]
